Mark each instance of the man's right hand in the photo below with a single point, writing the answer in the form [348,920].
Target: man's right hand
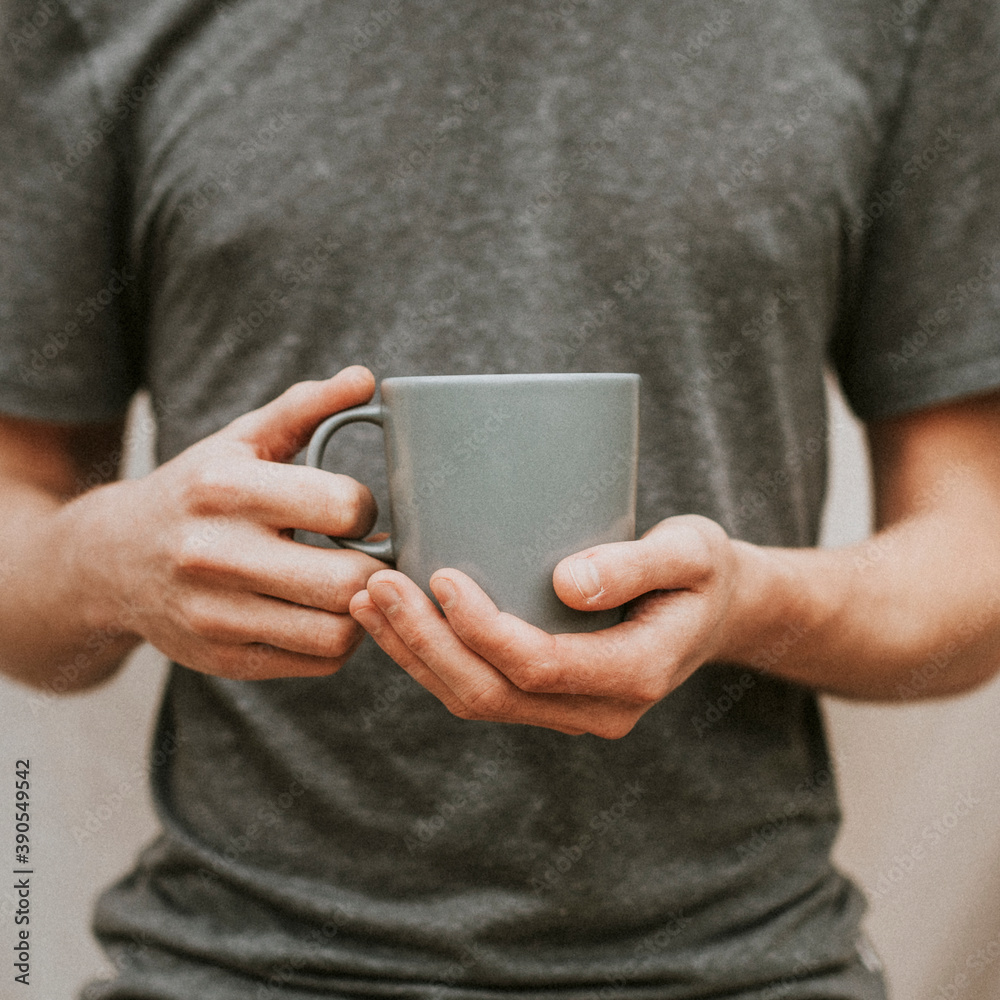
[197,557]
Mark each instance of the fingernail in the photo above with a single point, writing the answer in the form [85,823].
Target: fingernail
[444,591]
[369,619]
[386,595]
[586,578]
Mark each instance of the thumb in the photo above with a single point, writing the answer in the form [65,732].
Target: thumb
[281,428]
[679,553]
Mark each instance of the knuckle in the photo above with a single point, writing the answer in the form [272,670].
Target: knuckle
[352,509]
[539,673]
[421,644]
[648,691]
[614,729]
[343,506]
[537,677]
[201,619]
[335,598]
[297,395]
[341,638]
[194,553]
[298,392]
[209,489]
[704,541]
[648,685]
[711,532]
[488,702]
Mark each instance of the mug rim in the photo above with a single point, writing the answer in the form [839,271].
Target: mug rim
[511,377]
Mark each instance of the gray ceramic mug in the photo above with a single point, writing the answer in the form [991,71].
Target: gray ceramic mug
[501,476]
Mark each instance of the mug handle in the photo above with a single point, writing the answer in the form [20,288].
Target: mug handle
[371,414]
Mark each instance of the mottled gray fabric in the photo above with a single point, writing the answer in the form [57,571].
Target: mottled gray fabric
[214,200]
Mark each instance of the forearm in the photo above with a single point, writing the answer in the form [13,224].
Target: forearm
[58,632]
[194,557]
[914,611]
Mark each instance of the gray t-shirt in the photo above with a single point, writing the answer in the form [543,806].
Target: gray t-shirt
[213,200]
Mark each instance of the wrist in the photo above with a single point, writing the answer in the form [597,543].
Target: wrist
[93,531]
[776,607]
[56,636]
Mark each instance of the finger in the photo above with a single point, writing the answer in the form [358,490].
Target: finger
[482,691]
[680,553]
[375,623]
[256,561]
[627,662]
[284,496]
[366,612]
[239,619]
[319,578]
[256,662]
[281,428]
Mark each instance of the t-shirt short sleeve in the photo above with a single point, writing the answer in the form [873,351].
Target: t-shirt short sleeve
[66,353]
[926,323]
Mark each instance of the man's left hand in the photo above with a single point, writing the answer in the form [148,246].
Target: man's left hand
[482,663]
